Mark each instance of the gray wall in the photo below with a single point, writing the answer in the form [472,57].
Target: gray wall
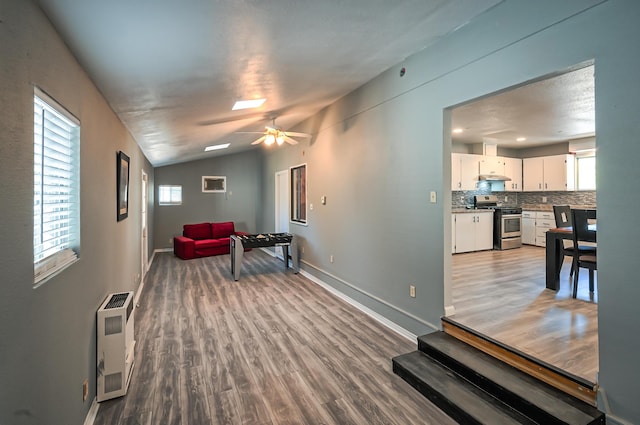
[241,204]
[48,333]
[379,151]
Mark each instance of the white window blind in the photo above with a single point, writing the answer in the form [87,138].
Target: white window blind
[169,195]
[56,187]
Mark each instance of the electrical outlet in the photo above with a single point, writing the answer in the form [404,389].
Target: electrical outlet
[412,291]
[544,199]
[170,240]
[506,199]
[331,258]
[85,389]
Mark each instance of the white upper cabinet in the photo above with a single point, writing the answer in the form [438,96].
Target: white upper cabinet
[464,171]
[492,166]
[549,173]
[513,170]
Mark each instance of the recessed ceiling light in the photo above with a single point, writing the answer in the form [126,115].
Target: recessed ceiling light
[217,147]
[521,139]
[248,104]
[457,130]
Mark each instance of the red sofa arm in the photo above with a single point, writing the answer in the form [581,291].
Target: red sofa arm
[184,248]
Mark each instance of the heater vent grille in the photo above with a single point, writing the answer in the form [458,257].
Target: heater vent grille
[117,300]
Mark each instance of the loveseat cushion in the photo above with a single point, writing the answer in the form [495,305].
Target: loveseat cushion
[197,231]
[222,230]
[210,243]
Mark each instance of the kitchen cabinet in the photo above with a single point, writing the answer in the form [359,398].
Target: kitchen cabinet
[529,227]
[535,226]
[513,170]
[464,171]
[548,173]
[473,231]
[544,221]
[492,166]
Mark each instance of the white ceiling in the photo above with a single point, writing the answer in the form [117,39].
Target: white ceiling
[172,69]
[551,110]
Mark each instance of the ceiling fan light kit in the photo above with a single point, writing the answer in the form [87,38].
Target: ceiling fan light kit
[273,135]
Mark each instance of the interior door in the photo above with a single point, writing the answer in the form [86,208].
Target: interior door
[282,205]
[144,245]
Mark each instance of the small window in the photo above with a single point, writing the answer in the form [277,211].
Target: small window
[169,195]
[56,188]
[299,194]
[586,173]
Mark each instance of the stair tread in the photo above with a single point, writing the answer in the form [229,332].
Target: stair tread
[550,400]
[454,389]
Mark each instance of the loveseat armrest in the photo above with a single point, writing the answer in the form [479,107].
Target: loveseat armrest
[184,247]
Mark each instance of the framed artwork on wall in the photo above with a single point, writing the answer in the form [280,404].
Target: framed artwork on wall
[122,176]
[214,184]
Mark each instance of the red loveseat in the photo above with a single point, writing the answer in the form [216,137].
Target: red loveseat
[204,240]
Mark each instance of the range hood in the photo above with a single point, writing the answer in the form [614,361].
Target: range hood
[493,178]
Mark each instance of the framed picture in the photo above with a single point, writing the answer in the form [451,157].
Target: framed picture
[214,184]
[122,173]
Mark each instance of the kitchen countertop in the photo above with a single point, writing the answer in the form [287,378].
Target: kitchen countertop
[459,210]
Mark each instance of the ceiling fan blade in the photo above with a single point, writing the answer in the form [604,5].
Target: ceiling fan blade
[294,134]
[259,140]
[290,140]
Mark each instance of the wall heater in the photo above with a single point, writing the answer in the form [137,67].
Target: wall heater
[115,354]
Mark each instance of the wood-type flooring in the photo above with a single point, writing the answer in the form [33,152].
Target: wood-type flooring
[271,348]
[502,294]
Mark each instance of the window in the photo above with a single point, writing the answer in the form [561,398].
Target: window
[299,194]
[56,188]
[586,172]
[169,195]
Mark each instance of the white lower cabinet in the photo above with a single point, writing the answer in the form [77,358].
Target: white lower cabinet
[472,231]
[535,226]
[529,227]
[544,222]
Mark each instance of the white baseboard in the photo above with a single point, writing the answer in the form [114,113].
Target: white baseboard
[93,412]
[366,310]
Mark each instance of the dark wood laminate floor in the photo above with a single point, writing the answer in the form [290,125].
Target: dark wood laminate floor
[502,294]
[272,348]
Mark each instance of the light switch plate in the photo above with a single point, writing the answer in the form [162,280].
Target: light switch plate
[432,197]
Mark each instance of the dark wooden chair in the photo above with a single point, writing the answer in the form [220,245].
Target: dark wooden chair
[562,214]
[581,219]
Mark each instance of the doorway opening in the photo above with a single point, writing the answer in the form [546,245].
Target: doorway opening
[282,205]
[144,217]
[502,293]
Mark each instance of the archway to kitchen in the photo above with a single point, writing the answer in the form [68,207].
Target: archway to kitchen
[501,293]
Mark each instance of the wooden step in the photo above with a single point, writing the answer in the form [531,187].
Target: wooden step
[457,397]
[474,387]
[575,386]
[537,400]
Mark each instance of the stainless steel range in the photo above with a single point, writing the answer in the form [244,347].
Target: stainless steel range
[507,222]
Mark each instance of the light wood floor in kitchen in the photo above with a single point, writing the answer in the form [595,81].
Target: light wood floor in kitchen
[271,348]
[502,295]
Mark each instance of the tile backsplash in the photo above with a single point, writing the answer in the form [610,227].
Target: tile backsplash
[461,199]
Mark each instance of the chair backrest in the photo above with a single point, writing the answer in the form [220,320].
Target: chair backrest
[562,214]
[581,220]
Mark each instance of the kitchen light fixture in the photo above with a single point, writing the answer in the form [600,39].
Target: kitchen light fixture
[217,147]
[248,104]
[457,130]
[521,139]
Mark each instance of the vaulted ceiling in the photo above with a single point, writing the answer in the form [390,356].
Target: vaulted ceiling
[172,69]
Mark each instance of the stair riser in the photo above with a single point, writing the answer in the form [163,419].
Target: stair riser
[455,412]
[489,386]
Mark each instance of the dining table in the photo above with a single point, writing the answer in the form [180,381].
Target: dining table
[555,255]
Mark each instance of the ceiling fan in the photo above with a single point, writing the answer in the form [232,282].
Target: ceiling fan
[275,134]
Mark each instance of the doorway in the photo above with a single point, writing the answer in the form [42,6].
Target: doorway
[282,205]
[144,217]
[476,301]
